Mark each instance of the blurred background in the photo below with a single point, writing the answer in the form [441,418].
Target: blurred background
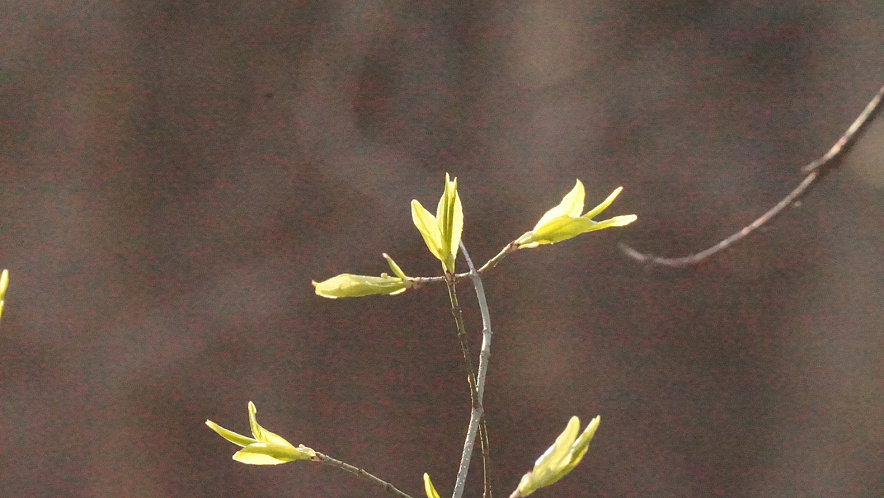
[174,174]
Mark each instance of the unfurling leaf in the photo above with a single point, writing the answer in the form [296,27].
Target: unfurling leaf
[265,447]
[347,285]
[560,458]
[393,266]
[441,233]
[565,221]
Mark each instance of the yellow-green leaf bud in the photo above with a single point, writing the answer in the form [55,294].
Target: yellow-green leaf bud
[565,221]
[560,458]
[442,232]
[347,285]
[265,447]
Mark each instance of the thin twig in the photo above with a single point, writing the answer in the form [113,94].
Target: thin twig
[724,244]
[848,135]
[471,373]
[814,171]
[485,351]
[491,263]
[484,357]
[322,458]
[511,247]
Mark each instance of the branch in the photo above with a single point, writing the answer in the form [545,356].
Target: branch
[485,351]
[491,263]
[322,458]
[471,378]
[484,357]
[814,170]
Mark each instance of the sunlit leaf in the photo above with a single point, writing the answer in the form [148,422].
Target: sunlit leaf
[347,285]
[265,448]
[268,454]
[565,221]
[233,437]
[441,233]
[571,205]
[428,487]
[260,433]
[560,458]
[393,266]
[429,229]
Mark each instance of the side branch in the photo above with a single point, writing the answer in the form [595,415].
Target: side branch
[491,263]
[322,458]
[814,170]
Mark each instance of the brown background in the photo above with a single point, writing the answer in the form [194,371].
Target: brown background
[173,175]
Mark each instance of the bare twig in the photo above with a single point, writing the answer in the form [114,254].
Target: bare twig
[724,244]
[322,458]
[491,263]
[485,351]
[471,375]
[484,357]
[511,247]
[814,171]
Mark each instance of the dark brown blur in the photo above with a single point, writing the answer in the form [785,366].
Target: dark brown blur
[174,174]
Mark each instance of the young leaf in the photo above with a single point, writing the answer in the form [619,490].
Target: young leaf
[565,221]
[347,285]
[428,487]
[393,266]
[441,233]
[428,227]
[265,447]
[560,458]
